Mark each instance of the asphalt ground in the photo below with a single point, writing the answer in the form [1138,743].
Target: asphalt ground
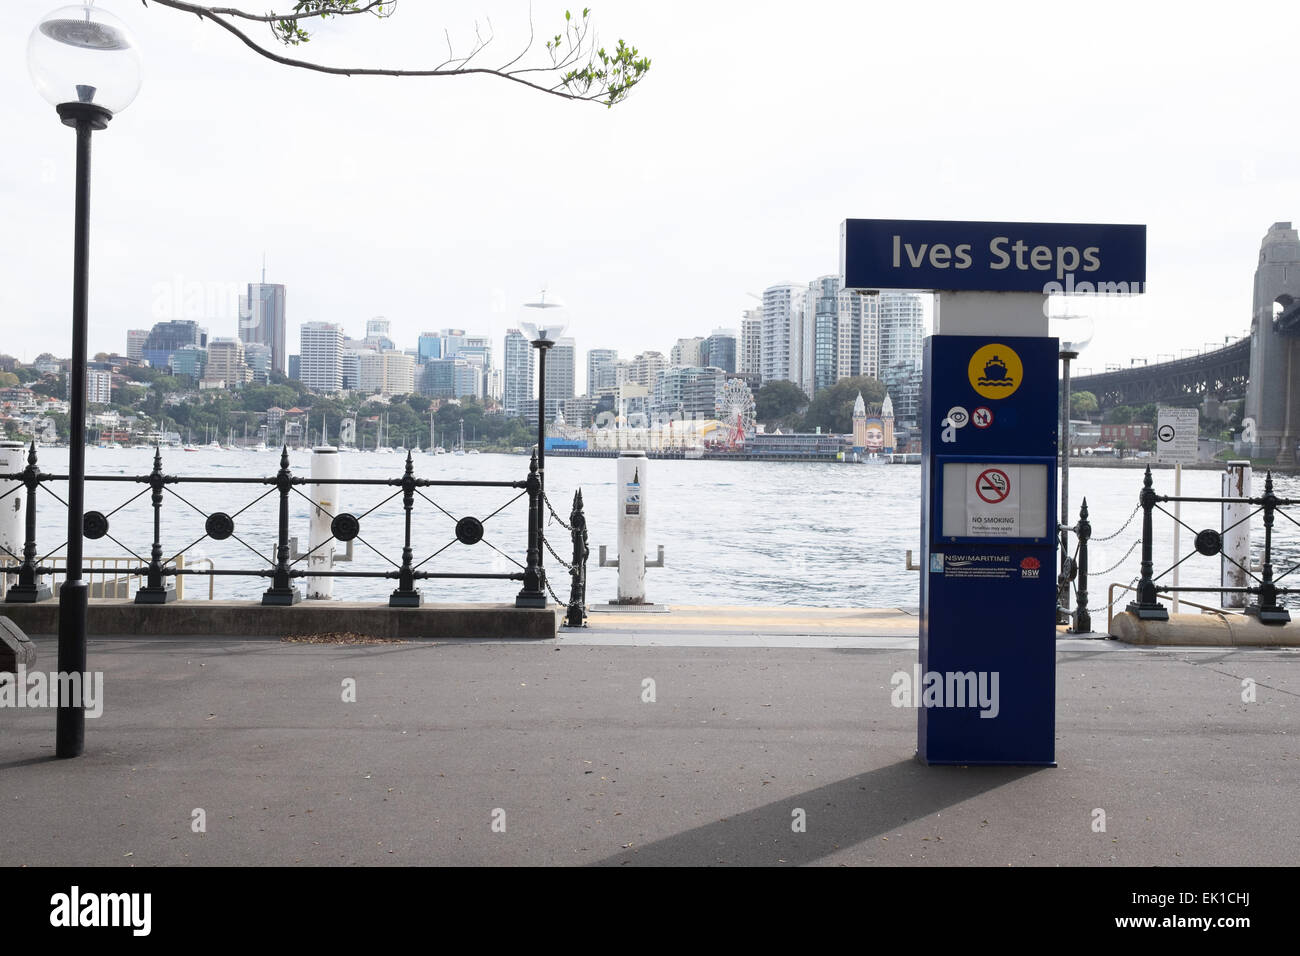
[551,753]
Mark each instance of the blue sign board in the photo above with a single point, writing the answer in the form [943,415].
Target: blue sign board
[985,684]
[1051,258]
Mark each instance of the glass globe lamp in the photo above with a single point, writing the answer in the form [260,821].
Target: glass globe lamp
[85,55]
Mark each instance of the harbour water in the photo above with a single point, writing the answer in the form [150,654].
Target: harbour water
[738,533]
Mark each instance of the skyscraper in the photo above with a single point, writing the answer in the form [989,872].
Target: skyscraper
[902,332]
[560,362]
[166,337]
[750,359]
[226,363]
[600,370]
[135,339]
[686,353]
[262,320]
[321,365]
[783,309]
[720,350]
[517,387]
[821,338]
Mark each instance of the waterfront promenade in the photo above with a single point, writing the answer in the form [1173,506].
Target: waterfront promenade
[756,714]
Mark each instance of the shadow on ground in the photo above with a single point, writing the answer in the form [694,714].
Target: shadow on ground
[868,805]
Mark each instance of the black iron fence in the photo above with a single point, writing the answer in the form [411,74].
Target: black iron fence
[160,570]
[1206,542]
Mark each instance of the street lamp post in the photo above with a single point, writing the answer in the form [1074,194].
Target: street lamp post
[543,336]
[1074,332]
[85,62]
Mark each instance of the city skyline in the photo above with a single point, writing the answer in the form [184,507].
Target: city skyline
[174,191]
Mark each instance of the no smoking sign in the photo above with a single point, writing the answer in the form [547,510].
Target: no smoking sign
[993,486]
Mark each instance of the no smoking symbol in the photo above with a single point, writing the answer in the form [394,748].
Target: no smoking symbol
[993,486]
[981,417]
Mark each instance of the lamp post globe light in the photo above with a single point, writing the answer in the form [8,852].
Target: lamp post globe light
[542,332]
[86,63]
[1074,332]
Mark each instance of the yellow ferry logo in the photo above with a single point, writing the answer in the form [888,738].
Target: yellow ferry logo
[995,371]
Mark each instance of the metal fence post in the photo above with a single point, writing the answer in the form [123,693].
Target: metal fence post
[155,590]
[1267,609]
[406,595]
[1146,607]
[1082,619]
[282,593]
[532,593]
[577,616]
[29,588]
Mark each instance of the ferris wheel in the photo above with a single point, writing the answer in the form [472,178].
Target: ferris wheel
[737,412]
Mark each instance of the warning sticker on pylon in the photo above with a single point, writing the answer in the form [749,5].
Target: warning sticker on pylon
[992,503]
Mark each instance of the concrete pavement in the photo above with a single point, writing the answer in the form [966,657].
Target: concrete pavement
[752,722]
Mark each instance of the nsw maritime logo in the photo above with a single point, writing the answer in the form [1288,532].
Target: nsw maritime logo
[1029,567]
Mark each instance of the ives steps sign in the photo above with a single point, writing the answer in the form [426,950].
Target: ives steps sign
[1048,258]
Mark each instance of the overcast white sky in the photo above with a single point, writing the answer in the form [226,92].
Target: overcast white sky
[762,125]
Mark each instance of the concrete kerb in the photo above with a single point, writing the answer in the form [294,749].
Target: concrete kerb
[245,619]
[1203,630]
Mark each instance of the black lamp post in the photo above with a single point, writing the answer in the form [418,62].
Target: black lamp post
[1073,332]
[542,336]
[86,63]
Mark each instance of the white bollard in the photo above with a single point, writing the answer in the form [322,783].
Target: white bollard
[631,527]
[1236,542]
[324,493]
[13,508]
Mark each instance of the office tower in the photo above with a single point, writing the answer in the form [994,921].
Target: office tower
[750,360]
[262,319]
[295,367]
[322,356]
[190,360]
[258,359]
[135,339]
[378,327]
[686,353]
[600,370]
[720,350]
[428,346]
[350,363]
[399,373]
[783,310]
[166,337]
[226,363]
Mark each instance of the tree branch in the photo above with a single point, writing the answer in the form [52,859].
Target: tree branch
[604,78]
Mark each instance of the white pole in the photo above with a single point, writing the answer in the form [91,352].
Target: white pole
[13,509]
[631,502]
[324,492]
[1236,542]
[1178,490]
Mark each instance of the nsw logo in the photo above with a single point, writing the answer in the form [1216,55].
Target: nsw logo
[1029,567]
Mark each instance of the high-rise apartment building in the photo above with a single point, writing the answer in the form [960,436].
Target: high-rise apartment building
[687,353]
[321,364]
[783,332]
[750,359]
[561,360]
[820,341]
[262,320]
[600,371]
[645,369]
[258,359]
[517,384]
[902,336]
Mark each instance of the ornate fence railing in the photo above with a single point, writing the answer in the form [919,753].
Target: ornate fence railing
[163,567]
[1206,542]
